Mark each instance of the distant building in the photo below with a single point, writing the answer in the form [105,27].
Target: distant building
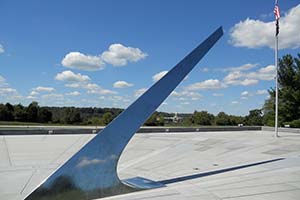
[174,119]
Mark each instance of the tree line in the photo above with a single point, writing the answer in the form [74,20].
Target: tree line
[102,116]
[57,115]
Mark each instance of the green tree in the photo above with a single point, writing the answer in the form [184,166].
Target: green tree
[71,116]
[202,118]
[255,117]
[223,119]
[155,120]
[10,113]
[20,113]
[106,118]
[44,115]
[32,112]
[289,92]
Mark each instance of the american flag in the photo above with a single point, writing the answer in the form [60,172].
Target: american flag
[276,12]
[277,16]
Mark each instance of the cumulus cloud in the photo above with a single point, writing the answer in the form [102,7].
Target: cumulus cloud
[122,84]
[267,73]
[250,78]
[245,93]
[31,97]
[75,93]
[71,77]
[261,92]
[192,95]
[256,33]
[53,96]
[1,49]
[244,67]
[139,92]
[7,91]
[209,84]
[43,89]
[159,75]
[77,60]
[80,81]
[119,55]
[33,93]
[116,55]
[93,88]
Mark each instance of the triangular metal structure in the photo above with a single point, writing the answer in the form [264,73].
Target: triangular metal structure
[92,172]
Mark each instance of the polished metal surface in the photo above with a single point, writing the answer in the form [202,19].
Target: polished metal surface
[92,172]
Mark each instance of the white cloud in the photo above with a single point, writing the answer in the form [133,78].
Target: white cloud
[207,85]
[266,73]
[53,96]
[122,84]
[100,90]
[119,55]
[71,77]
[2,50]
[235,102]
[159,75]
[245,93]
[239,78]
[33,93]
[75,93]
[193,95]
[43,89]
[93,88]
[77,60]
[256,33]
[233,77]
[116,55]
[261,92]
[31,97]
[74,85]
[82,82]
[87,162]
[247,82]
[244,67]
[250,78]
[139,92]
[7,91]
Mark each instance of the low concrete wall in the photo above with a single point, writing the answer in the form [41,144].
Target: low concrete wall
[93,130]
[286,130]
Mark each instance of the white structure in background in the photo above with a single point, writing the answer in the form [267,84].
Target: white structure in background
[174,119]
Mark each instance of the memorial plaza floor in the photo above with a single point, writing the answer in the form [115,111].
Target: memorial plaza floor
[235,165]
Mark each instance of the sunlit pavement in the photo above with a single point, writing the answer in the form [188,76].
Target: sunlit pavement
[204,165]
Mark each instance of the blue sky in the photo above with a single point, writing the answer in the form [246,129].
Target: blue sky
[106,53]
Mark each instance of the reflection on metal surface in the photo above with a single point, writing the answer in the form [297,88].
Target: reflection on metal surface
[92,172]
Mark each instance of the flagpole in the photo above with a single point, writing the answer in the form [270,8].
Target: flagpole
[276,65]
[276,85]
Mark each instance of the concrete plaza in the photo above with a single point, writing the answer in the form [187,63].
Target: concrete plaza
[202,165]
